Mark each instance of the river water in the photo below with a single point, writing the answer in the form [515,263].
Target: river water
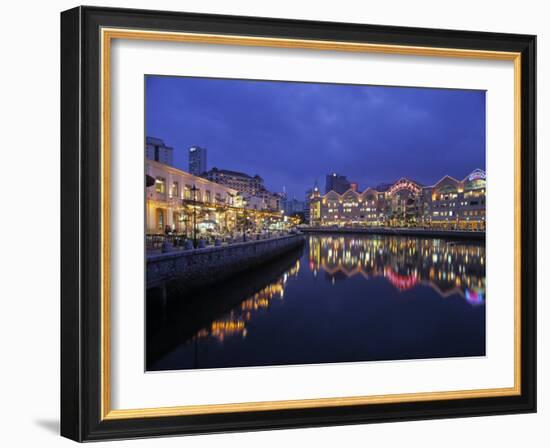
[341,298]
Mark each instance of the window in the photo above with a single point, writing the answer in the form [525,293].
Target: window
[208,196]
[187,192]
[175,189]
[160,185]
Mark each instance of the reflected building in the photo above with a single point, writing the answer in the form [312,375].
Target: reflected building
[447,267]
[342,291]
[236,321]
[406,263]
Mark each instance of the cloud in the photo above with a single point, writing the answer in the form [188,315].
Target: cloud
[293,133]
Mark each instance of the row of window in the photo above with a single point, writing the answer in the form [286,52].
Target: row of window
[462,204]
[160,187]
[464,213]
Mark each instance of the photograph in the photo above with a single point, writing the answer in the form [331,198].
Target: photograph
[295,223]
[283,221]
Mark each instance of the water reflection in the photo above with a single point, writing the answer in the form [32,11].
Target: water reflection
[448,267]
[341,299]
[235,322]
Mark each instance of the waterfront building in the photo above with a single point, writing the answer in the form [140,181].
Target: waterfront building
[315,207]
[197,160]
[369,208]
[448,204]
[176,195]
[182,203]
[157,150]
[404,203]
[338,183]
[373,207]
[456,204]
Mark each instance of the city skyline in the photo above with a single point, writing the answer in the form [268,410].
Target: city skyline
[303,131]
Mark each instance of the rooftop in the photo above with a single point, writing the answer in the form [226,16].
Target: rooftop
[232,173]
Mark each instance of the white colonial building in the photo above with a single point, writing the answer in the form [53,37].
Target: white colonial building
[176,194]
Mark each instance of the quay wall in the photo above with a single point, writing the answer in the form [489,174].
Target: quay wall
[194,268]
[427,233]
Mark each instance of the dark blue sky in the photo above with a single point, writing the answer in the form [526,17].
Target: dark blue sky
[294,133]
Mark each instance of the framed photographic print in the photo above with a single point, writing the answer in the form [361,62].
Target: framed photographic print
[274,223]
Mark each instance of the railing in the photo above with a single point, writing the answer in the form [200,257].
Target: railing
[155,241]
[179,242]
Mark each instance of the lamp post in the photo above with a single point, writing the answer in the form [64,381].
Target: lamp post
[194,190]
[226,210]
[245,222]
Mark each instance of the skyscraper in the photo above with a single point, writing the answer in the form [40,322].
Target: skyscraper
[338,183]
[155,149]
[197,160]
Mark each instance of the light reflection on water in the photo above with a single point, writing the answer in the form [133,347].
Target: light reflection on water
[235,322]
[447,267]
[346,298]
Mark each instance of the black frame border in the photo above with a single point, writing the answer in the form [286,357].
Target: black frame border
[81,223]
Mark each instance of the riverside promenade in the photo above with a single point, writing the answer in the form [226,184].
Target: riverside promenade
[188,269]
[398,231]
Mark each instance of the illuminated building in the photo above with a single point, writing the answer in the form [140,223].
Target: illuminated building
[251,187]
[197,160]
[315,207]
[448,204]
[179,202]
[454,204]
[351,208]
[155,149]
[170,200]
[270,201]
[307,203]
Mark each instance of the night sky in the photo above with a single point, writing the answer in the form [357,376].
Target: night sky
[294,133]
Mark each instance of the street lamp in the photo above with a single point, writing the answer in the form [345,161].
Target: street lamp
[245,219]
[194,190]
[226,208]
